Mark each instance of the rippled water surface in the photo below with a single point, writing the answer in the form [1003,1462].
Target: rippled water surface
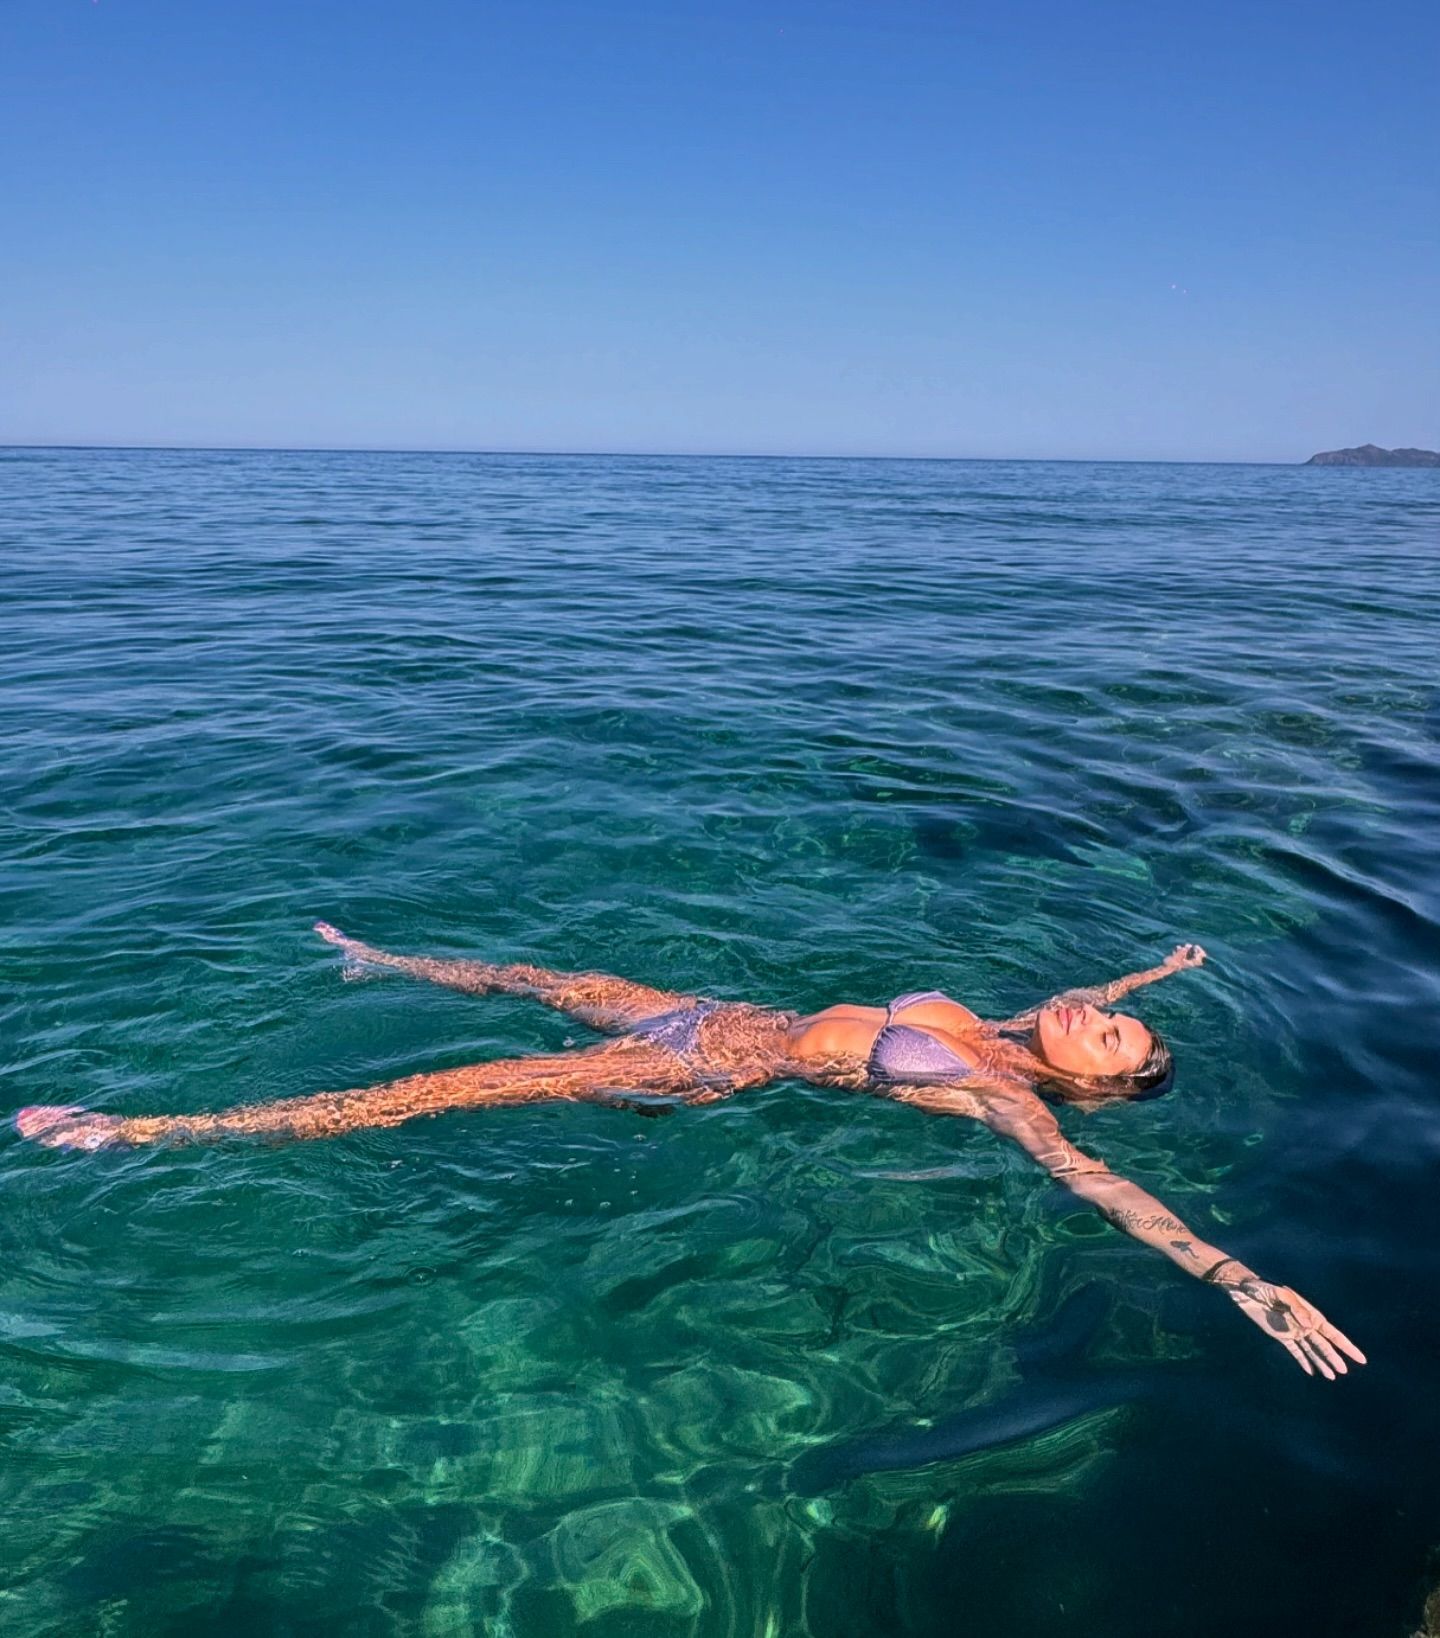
[798,731]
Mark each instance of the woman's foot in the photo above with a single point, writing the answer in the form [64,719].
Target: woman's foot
[66,1126]
[333,935]
[361,961]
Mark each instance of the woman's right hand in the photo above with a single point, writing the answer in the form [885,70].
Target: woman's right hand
[1185,955]
[1307,1336]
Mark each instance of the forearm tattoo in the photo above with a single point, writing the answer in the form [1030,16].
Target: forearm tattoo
[1140,1223]
[1136,1222]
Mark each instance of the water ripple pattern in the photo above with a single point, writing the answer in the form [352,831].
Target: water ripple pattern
[794,731]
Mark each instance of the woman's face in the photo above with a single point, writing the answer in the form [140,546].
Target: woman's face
[1083,1040]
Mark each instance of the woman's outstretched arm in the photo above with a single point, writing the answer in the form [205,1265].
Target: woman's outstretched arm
[1180,959]
[601,1074]
[598,1000]
[1013,1110]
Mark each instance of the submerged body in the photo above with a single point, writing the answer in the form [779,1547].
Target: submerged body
[923,1049]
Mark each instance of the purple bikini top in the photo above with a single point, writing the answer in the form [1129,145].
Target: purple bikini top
[903,1053]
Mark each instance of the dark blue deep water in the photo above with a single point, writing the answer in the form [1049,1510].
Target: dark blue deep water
[798,731]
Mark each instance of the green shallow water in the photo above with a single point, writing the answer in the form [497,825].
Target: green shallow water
[784,730]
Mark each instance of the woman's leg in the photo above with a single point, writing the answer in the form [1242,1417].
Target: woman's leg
[601,1074]
[599,1000]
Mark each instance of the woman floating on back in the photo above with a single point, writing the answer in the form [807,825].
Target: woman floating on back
[923,1049]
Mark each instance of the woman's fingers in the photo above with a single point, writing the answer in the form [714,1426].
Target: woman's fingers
[1327,1341]
[331,935]
[1337,1337]
[1298,1354]
[1320,1362]
[1326,1346]
[1325,1349]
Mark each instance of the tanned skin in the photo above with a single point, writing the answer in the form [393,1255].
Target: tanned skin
[1071,1038]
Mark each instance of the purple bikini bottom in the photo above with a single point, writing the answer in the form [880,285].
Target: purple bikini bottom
[676,1030]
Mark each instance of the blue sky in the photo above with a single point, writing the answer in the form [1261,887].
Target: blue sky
[1156,231]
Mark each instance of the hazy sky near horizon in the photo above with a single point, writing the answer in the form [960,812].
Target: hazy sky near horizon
[899,227]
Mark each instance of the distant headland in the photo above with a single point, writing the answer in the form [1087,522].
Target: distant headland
[1373,455]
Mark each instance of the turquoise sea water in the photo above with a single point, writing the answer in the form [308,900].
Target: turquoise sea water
[796,731]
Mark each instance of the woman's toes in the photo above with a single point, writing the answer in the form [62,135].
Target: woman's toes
[65,1126]
[38,1118]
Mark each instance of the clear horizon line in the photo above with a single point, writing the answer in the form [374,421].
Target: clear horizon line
[631,454]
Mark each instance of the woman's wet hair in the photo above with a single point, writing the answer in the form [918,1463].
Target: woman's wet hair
[1156,1075]
[1152,1078]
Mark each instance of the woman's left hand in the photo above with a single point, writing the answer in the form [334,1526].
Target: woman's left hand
[1185,955]
[1310,1339]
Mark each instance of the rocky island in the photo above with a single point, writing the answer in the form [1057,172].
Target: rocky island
[1373,455]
